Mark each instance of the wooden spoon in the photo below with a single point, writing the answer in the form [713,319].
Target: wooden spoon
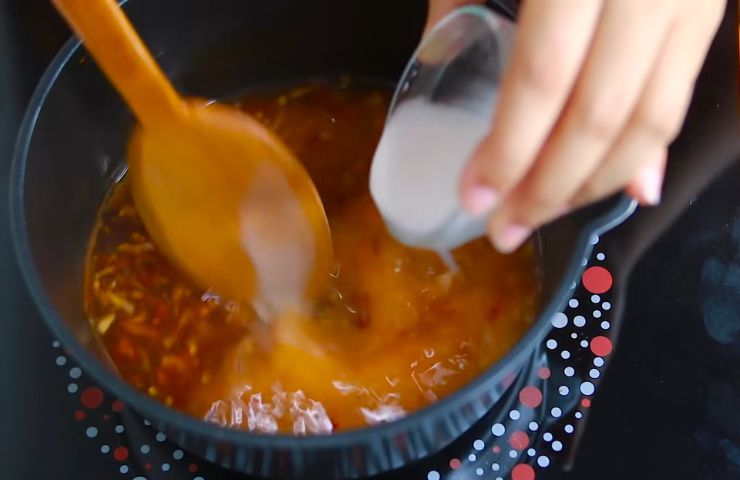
[218,192]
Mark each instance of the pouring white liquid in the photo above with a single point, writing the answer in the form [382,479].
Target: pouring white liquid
[416,172]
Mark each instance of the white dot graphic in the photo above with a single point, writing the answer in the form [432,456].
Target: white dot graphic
[573,303]
[512,453]
[584,343]
[595,299]
[587,388]
[533,426]
[498,429]
[144,449]
[574,335]
[569,371]
[61,360]
[165,467]
[556,412]
[605,325]
[579,321]
[72,388]
[514,415]
[147,422]
[119,429]
[75,372]
[91,432]
[584,262]
[565,354]
[531,452]
[472,457]
[543,462]
[597,313]
[606,306]
[433,475]
[593,373]
[559,320]
[479,445]
[123,469]
[551,344]
[160,437]
[568,428]
[557,446]
[594,239]
[578,415]
[599,362]
[547,436]
[563,390]
[600,256]
[479,471]
[495,467]
[104,449]
[55,344]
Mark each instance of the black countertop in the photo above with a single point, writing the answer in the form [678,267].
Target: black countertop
[669,405]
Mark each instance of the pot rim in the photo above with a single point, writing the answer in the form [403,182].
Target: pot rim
[155,410]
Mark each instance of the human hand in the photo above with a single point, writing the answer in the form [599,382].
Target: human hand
[594,93]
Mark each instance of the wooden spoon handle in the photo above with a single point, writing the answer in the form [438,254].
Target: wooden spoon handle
[121,54]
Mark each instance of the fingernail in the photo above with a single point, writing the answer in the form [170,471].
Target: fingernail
[651,183]
[511,237]
[480,199]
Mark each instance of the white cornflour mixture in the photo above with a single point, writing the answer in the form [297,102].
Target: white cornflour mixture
[416,172]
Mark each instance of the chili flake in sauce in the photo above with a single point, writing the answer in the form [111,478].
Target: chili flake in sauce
[395,332]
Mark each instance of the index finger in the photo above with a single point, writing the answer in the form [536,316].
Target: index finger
[552,41]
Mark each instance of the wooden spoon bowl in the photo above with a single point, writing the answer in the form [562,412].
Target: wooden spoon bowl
[219,193]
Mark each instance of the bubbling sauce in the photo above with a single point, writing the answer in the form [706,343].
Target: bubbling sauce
[395,331]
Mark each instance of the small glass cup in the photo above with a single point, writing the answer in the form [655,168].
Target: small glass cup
[451,84]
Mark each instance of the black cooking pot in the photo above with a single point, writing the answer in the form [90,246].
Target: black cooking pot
[71,150]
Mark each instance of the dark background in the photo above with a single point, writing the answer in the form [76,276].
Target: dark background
[670,403]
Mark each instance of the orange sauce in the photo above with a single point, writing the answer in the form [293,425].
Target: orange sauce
[395,331]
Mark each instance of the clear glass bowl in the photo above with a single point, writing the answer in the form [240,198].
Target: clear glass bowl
[441,110]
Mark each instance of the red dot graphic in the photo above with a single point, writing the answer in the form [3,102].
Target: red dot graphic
[148,467]
[601,346]
[117,406]
[192,468]
[543,373]
[597,279]
[455,464]
[522,472]
[496,449]
[79,415]
[530,397]
[120,453]
[585,403]
[519,440]
[91,397]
